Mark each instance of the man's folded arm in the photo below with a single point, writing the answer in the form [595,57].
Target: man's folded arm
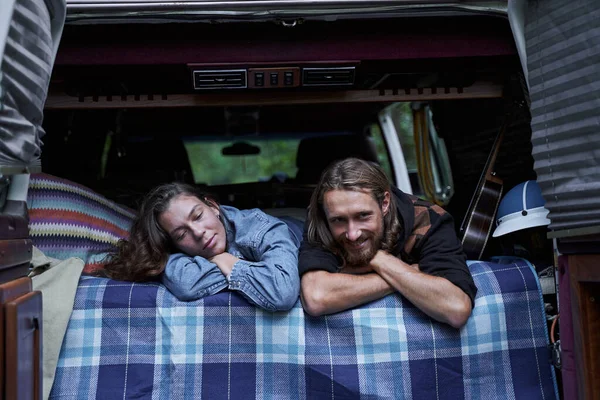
[442,287]
[323,292]
[435,296]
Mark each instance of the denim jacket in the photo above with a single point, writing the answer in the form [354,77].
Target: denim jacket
[266,274]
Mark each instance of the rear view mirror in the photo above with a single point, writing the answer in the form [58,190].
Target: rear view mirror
[240,149]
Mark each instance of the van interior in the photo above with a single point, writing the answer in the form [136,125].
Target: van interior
[253,112]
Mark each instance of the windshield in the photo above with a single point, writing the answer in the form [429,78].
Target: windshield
[216,160]
[275,157]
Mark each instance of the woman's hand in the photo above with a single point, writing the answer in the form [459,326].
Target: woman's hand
[225,261]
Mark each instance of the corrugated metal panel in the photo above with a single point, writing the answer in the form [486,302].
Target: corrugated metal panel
[30,32]
[563,58]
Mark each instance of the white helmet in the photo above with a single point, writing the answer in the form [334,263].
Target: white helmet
[522,207]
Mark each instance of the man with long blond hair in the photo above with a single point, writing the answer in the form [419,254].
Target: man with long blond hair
[365,239]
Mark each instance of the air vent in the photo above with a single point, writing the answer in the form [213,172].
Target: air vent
[335,76]
[220,79]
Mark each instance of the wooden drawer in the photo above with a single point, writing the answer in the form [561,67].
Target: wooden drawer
[14,220]
[15,256]
[8,291]
[24,347]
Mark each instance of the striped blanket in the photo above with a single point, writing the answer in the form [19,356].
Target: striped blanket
[134,341]
[70,220]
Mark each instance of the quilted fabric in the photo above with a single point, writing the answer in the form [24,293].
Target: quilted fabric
[69,220]
[133,341]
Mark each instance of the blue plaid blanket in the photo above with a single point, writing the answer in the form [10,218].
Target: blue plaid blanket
[136,341]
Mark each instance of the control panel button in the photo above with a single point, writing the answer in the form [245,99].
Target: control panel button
[259,79]
[288,79]
[274,78]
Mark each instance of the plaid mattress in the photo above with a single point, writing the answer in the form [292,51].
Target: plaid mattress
[134,341]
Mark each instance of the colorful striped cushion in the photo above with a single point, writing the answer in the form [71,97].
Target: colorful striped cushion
[69,220]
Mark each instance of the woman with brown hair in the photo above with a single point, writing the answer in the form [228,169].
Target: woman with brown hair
[197,247]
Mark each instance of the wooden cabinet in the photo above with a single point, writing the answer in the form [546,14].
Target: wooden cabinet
[20,307]
[584,273]
[20,341]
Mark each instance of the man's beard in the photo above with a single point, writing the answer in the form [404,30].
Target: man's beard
[359,257]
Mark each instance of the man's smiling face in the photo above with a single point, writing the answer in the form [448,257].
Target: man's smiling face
[355,220]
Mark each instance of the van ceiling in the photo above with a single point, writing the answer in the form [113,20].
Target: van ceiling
[408,39]
[139,59]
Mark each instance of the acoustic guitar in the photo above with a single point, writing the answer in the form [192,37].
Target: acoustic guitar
[479,219]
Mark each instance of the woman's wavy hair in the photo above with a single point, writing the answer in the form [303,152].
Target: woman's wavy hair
[358,175]
[144,255]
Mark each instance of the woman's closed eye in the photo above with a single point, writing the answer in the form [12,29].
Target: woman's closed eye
[179,237]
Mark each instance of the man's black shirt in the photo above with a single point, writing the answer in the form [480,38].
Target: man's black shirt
[430,242]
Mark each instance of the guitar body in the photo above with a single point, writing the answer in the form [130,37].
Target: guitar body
[481,218]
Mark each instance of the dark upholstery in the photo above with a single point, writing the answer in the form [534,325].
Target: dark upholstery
[316,153]
[142,165]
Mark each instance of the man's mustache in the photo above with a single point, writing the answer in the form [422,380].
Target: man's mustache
[364,236]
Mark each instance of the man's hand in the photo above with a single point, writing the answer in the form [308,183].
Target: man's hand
[378,259]
[435,296]
[324,292]
[382,257]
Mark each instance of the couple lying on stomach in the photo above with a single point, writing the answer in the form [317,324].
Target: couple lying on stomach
[363,240]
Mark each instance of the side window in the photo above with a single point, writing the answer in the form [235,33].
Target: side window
[382,152]
[402,121]
[423,150]
[435,174]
